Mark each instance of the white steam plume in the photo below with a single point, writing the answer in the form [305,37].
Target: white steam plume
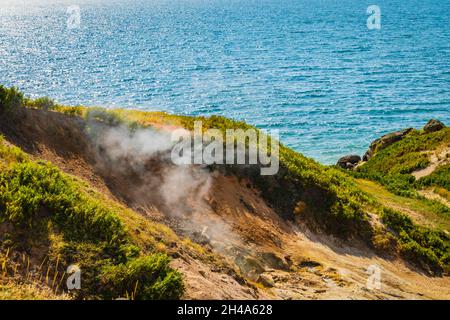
[140,164]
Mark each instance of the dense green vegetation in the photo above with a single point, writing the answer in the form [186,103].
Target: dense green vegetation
[440,177]
[149,276]
[10,99]
[426,247]
[40,202]
[393,165]
[43,103]
[392,168]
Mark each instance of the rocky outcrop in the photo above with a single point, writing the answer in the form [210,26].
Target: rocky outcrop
[385,141]
[349,161]
[433,125]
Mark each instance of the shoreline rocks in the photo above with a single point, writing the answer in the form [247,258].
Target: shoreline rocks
[433,125]
[352,160]
[349,161]
[385,141]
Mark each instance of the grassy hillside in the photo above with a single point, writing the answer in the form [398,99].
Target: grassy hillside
[394,184]
[326,197]
[55,220]
[422,211]
[392,166]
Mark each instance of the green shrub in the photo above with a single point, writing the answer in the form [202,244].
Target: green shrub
[102,115]
[43,103]
[10,154]
[149,277]
[392,166]
[419,255]
[423,246]
[446,261]
[10,99]
[396,220]
[440,177]
[383,241]
[71,111]
[437,207]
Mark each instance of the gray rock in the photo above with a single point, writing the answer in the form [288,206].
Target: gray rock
[433,125]
[349,161]
[385,141]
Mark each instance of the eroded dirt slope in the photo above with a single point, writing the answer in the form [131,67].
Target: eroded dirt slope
[264,256]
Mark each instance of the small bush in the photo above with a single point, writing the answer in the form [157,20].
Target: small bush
[102,115]
[445,260]
[71,111]
[423,246]
[383,241]
[43,103]
[10,99]
[419,255]
[147,277]
[396,220]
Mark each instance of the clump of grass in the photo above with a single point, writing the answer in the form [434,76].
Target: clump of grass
[12,290]
[17,268]
[79,111]
[445,193]
[149,278]
[105,116]
[10,154]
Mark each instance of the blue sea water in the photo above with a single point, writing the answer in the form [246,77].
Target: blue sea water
[310,68]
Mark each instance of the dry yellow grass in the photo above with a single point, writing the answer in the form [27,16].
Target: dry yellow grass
[28,291]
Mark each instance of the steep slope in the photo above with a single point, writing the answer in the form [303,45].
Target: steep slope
[417,168]
[411,175]
[308,232]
